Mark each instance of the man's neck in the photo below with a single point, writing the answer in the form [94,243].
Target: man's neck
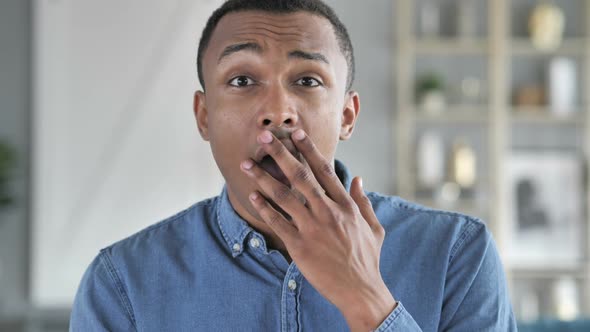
[272,240]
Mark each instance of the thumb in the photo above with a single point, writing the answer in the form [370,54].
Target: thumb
[357,193]
[363,202]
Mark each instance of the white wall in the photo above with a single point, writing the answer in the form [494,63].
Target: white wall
[370,153]
[115,143]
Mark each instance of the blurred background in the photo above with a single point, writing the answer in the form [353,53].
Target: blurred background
[476,106]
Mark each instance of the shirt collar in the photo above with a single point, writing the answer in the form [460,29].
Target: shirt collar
[235,229]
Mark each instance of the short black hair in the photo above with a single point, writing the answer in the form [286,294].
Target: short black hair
[316,7]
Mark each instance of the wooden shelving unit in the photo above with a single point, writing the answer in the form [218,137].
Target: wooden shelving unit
[451,46]
[498,49]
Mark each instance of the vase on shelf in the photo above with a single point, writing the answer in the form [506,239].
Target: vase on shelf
[430,19]
[562,86]
[546,25]
[430,93]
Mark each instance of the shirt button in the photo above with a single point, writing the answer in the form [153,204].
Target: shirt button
[292,284]
[236,247]
[255,243]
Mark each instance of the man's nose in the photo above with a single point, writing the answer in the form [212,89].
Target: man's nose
[277,110]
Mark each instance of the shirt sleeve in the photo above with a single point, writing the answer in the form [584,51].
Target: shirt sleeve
[398,320]
[476,296]
[101,303]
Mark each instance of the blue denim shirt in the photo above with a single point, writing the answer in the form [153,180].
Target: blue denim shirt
[206,269]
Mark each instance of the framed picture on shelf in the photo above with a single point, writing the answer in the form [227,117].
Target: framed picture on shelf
[544,204]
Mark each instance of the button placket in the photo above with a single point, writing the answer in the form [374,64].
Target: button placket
[290,299]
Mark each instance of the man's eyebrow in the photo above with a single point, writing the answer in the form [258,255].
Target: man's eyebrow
[231,49]
[308,56]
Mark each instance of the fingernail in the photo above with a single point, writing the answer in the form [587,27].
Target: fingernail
[298,135]
[265,137]
[253,196]
[247,164]
[361,182]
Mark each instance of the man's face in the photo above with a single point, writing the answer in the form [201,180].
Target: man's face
[271,72]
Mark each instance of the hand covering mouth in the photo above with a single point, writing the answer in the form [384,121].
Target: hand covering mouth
[266,162]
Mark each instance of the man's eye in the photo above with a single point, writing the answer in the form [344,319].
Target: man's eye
[241,81]
[308,82]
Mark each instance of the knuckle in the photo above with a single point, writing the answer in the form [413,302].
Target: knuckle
[274,219]
[348,205]
[336,216]
[339,228]
[327,170]
[302,175]
[331,214]
[281,194]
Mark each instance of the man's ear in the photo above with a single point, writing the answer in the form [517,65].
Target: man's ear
[201,115]
[350,112]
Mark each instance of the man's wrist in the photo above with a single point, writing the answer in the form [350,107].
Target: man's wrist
[367,315]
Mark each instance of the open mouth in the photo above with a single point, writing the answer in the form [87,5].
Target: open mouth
[271,167]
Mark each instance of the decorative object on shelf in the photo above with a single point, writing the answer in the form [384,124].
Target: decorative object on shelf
[462,168]
[529,95]
[466,27]
[544,208]
[546,25]
[562,86]
[430,93]
[430,19]
[471,90]
[565,297]
[448,194]
[430,161]
[7,161]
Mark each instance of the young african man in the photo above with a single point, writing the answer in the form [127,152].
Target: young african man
[292,242]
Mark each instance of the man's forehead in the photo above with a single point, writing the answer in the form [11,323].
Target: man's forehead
[301,30]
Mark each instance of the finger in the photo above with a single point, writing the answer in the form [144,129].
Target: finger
[283,228]
[364,204]
[322,169]
[279,193]
[300,175]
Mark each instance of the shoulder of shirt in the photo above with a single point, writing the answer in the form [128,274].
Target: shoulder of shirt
[178,220]
[403,211]
[405,206]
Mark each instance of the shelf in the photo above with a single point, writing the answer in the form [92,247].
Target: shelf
[505,61]
[451,46]
[569,46]
[535,272]
[543,115]
[472,114]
